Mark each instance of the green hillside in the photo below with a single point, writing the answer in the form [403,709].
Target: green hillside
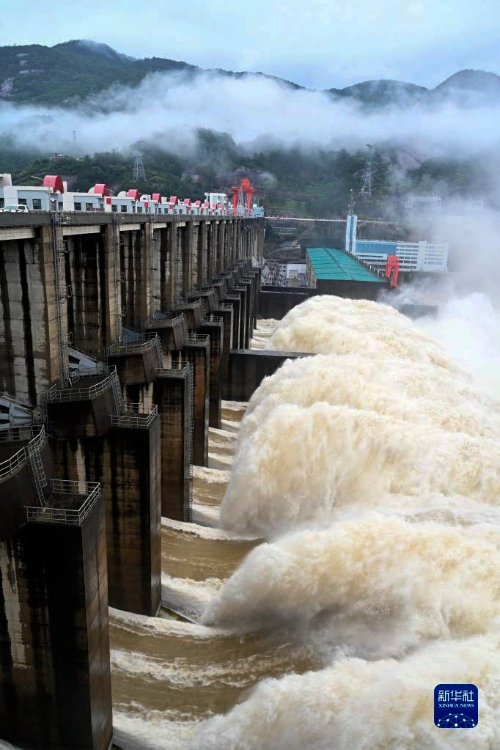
[79,69]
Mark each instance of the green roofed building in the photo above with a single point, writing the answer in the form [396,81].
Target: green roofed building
[332,271]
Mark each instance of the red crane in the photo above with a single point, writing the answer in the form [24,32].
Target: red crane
[243,198]
[392,270]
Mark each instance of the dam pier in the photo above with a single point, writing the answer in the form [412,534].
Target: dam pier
[115,349]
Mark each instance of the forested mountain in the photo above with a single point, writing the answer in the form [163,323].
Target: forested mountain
[75,70]
[302,181]
[290,181]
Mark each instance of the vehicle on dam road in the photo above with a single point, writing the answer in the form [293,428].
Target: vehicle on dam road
[15,207]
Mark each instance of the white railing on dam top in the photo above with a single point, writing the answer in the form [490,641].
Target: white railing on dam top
[91,491]
[132,417]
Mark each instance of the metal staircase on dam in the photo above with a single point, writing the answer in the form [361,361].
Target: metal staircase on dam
[37,470]
[59,249]
[117,391]
[118,244]
[34,439]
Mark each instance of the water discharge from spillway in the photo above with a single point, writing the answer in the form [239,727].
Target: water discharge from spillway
[354,564]
[170,675]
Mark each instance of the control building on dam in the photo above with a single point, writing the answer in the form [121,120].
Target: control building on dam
[115,343]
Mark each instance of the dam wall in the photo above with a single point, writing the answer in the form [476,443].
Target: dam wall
[115,343]
[248,368]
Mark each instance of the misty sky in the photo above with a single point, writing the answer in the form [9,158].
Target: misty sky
[318,43]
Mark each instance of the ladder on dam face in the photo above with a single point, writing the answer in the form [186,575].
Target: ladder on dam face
[38,473]
[190,440]
[117,245]
[154,270]
[61,294]
[117,392]
[158,350]
[179,270]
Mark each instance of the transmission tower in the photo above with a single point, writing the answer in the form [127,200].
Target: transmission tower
[366,188]
[139,172]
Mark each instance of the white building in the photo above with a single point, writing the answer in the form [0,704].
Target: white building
[53,195]
[44,197]
[413,256]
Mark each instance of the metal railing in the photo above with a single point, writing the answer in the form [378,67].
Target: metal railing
[13,464]
[59,252]
[58,394]
[175,366]
[133,345]
[38,473]
[13,434]
[158,350]
[173,315]
[203,300]
[132,417]
[189,303]
[196,337]
[91,491]
[190,437]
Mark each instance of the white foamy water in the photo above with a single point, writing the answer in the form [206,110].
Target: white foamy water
[346,575]
[403,389]
[337,455]
[362,705]
[376,467]
[375,421]
[330,325]
[205,515]
[469,330]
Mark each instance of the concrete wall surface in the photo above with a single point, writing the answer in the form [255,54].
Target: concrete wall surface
[248,368]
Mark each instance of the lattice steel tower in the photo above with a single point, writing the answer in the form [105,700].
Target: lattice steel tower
[366,188]
[139,172]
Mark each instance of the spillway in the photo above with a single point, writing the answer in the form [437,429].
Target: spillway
[172,673]
[372,470]
[343,558]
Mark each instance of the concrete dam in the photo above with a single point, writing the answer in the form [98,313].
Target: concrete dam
[115,352]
